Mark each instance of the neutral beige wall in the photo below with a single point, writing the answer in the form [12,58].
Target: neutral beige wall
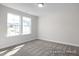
[61,26]
[9,41]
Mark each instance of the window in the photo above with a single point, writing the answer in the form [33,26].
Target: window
[26,25]
[13,24]
[16,27]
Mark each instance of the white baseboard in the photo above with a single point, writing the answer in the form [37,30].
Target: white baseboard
[76,45]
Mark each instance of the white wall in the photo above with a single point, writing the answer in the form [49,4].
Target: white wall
[9,41]
[61,26]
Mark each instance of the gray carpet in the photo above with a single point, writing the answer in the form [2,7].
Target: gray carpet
[41,48]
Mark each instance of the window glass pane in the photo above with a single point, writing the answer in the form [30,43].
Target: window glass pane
[13,24]
[26,25]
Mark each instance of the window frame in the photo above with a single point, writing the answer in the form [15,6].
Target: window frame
[30,26]
[8,28]
[20,25]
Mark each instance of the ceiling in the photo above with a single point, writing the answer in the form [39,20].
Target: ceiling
[49,8]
